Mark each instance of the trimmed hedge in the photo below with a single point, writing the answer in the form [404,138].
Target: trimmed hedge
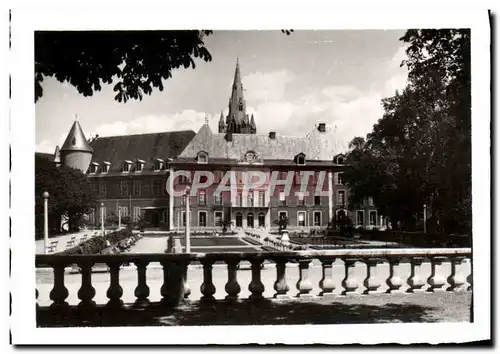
[98,243]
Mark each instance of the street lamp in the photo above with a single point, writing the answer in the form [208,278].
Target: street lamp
[188,222]
[425,218]
[46,220]
[102,219]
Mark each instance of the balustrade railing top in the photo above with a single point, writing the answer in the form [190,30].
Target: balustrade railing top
[175,268]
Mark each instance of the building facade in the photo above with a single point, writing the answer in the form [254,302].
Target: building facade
[300,178]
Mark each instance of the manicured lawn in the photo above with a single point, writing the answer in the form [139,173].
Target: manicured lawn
[215,241]
[224,249]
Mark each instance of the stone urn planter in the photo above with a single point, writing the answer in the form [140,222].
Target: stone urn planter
[285,239]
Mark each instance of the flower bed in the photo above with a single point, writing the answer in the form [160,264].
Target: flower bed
[98,243]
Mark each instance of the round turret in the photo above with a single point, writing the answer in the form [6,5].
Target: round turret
[76,151]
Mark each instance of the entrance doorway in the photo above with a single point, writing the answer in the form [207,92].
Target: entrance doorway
[250,220]
[239,220]
[262,220]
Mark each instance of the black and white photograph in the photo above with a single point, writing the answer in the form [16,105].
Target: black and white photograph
[267,181]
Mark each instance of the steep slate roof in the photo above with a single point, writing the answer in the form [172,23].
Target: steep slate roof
[315,145]
[76,141]
[44,155]
[147,147]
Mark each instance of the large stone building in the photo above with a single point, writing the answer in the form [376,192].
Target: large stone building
[131,174]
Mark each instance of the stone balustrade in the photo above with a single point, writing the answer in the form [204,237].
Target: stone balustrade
[351,283]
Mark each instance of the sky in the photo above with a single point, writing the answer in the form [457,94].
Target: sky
[291,83]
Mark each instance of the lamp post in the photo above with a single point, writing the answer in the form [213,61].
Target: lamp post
[425,218]
[119,217]
[188,222]
[102,219]
[46,221]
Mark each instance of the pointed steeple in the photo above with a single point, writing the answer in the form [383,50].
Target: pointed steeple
[237,104]
[253,126]
[57,156]
[222,126]
[76,141]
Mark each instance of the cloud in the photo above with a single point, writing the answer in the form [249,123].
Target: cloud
[270,86]
[45,146]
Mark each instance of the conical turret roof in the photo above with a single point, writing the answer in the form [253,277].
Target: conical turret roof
[76,141]
[252,122]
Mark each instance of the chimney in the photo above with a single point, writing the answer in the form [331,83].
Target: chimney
[272,135]
[322,127]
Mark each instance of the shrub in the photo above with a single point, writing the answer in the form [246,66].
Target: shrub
[97,244]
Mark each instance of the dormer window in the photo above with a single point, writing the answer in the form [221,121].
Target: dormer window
[93,168]
[339,159]
[126,166]
[139,165]
[105,167]
[300,159]
[202,157]
[158,164]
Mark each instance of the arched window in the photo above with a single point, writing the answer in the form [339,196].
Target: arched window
[300,159]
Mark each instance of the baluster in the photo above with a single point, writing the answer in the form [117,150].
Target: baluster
[326,283]
[371,282]
[456,278]
[394,282]
[436,281]
[168,289]
[280,284]
[414,281]
[470,280]
[232,287]
[187,290]
[256,287]
[142,290]
[208,287]
[87,291]
[304,285]
[59,293]
[115,291]
[350,283]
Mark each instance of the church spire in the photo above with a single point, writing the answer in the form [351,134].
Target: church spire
[237,104]
[222,126]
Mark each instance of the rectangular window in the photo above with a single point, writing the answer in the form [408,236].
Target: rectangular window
[123,211]
[183,200]
[92,217]
[250,199]
[202,200]
[301,200]
[137,213]
[124,188]
[370,201]
[317,218]
[317,200]
[301,218]
[341,198]
[105,168]
[373,218]
[282,175]
[360,218]
[282,214]
[158,165]
[156,187]
[340,178]
[138,166]
[202,219]
[137,188]
[298,177]
[92,169]
[262,198]
[126,167]
[102,189]
[238,199]
[164,216]
[218,218]
[282,199]
[217,199]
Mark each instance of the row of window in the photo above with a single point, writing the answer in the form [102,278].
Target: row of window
[123,210]
[299,159]
[138,166]
[135,188]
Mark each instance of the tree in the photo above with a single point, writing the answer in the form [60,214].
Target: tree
[419,151]
[136,61]
[70,193]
